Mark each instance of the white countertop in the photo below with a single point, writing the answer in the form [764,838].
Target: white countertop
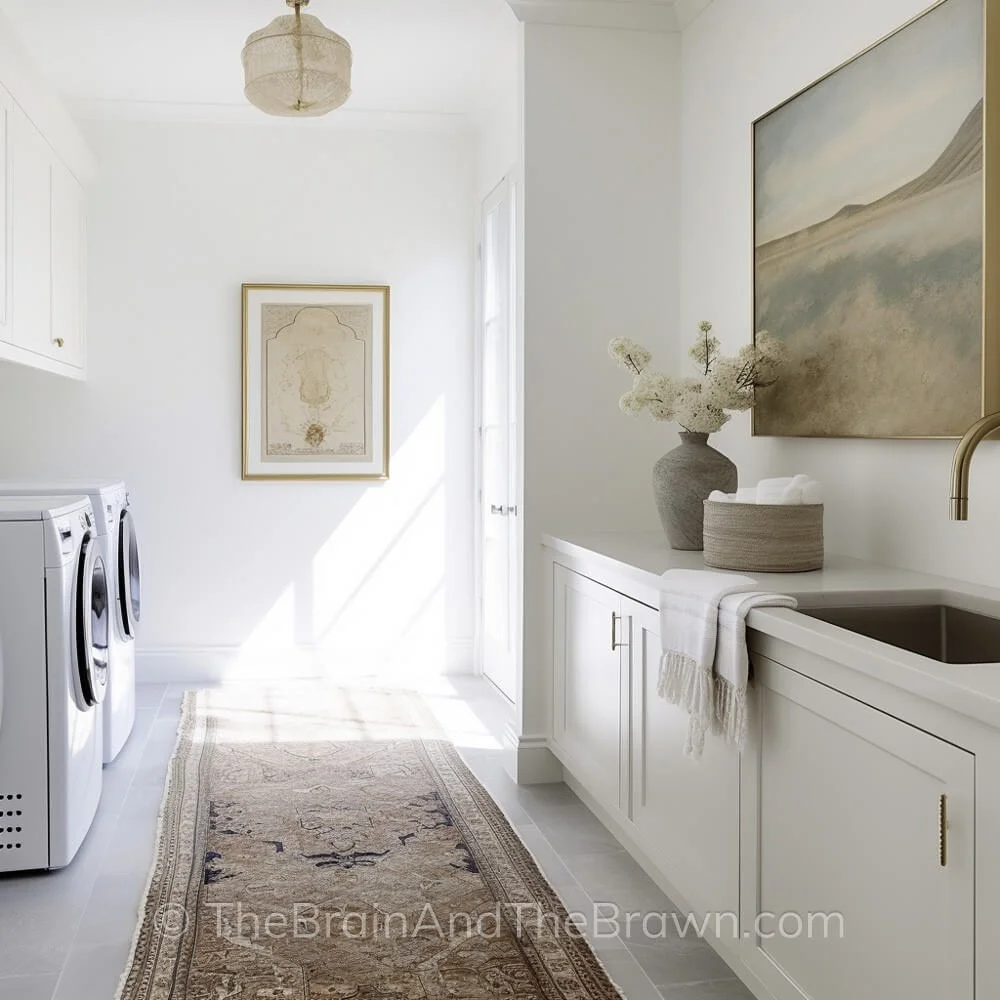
[972,689]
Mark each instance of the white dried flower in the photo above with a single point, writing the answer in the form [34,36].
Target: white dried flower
[656,393]
[699,404]
[701,417]
[730,384]
[630,404]
[629,354]
[697,411]
[706,348]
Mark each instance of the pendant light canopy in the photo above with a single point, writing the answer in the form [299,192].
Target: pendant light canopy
[297,67]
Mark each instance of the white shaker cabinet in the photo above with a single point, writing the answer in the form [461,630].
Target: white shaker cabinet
[837,854]
[44,163]
[46,244]
[625,745]
[6,115]
[685,812]
[68,267]
[31,236]
[591,685]
[850,814]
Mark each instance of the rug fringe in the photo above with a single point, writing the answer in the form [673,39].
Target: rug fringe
[187,715]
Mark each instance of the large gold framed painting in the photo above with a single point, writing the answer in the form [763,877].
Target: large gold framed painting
[315,382]
[876,236]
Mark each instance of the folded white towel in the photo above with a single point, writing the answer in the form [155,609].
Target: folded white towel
[689,620]
[812,492]
[748,495]
[732,661]
[789,490]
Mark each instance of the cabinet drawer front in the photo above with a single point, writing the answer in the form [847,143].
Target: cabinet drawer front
[844,833]
[588,699]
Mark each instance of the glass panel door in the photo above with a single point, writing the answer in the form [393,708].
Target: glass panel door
[499,584]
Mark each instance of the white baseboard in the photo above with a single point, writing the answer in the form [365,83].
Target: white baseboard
[218,664]
[529,759]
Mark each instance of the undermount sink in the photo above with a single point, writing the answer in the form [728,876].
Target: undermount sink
[939,631]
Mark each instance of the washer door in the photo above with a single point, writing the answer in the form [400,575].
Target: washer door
[93,617]
[129,582]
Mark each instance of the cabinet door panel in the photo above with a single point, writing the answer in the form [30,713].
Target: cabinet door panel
[686,812]
[6,111]
[67,266]
[847,823]
[588,703]
[31,244]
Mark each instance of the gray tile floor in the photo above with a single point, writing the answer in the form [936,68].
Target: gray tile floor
[65,935]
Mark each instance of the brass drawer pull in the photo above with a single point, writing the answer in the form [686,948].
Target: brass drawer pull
[59,342]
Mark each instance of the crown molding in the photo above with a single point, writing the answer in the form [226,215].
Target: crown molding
[343,119]
[631,15]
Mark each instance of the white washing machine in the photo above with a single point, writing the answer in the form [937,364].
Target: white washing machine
[119,547]
[55,625]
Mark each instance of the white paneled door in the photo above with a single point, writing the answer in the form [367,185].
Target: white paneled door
[498,441]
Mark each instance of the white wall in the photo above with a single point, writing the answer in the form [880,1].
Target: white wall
[498,146]
[263,574]
[887,501]
[498,151]
[600,260]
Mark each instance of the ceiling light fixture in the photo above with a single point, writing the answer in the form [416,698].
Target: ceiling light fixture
[297,67]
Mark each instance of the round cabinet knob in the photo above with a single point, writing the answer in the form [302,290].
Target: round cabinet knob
[59,342]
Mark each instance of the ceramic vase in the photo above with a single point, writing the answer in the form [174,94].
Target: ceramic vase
[682,481]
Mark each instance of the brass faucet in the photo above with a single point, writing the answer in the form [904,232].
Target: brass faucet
[963,459]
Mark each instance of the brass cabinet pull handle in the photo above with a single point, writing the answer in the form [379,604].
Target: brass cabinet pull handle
[943,831]
[59,342]
[615,644]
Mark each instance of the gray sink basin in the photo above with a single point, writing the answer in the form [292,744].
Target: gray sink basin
[939,631]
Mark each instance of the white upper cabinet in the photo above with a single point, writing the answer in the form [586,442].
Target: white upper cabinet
[68,266]
[43,165]
[6,113]
[31,236]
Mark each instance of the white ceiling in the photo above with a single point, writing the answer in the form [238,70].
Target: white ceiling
[422,56]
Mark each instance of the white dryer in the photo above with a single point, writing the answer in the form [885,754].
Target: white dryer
[55,626]
[115,530]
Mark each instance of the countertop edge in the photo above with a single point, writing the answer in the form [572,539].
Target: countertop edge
[971,690]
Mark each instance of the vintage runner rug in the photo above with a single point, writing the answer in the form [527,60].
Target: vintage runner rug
[293,866]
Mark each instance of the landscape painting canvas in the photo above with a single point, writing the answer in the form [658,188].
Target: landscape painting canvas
[868,238]
[315,370]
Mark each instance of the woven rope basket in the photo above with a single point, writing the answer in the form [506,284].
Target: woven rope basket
[764,538]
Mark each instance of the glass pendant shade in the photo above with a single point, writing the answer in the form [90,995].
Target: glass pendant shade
[297,67]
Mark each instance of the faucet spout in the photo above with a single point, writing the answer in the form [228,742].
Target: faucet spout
[963,460]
